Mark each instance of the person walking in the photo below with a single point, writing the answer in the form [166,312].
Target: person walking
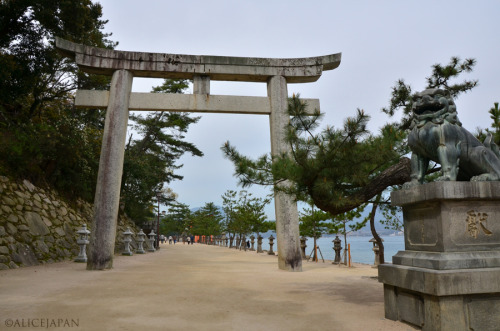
[170,240]
[189,240]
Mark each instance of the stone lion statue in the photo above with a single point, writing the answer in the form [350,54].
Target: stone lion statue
[437,135]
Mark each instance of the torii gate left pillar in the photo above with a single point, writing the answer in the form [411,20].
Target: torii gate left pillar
[123,66]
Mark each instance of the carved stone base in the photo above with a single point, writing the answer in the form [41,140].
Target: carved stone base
[448,278]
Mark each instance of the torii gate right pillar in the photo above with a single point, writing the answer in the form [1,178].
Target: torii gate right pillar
[287,218]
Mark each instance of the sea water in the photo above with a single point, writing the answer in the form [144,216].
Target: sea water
[361,247]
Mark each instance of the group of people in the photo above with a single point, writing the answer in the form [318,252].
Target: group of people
[173,239]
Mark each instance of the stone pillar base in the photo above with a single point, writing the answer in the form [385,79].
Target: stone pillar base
[448,276]
[442,299]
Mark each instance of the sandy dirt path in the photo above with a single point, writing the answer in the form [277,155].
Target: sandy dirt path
[193,287]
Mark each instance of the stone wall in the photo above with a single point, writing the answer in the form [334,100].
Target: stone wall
[37,226]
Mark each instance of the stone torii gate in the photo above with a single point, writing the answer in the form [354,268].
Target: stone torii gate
[123,66]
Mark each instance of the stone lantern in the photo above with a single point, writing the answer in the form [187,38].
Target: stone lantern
[259,244]
[303,247]
[337,248]
[252,242]
[271,242]
[127,239]
[151,240]
[140,242]
[376,251]
[82,241]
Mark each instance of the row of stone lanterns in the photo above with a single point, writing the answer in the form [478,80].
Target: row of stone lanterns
[83,241]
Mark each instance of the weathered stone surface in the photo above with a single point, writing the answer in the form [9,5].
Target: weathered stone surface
[446,191]
[23,227]
[46,221]
[448,260]
[12,218]
[30,187]
[187,66]
[36,225]
[287,219]
[63,211]
[60,231]
[41,246]
[4,259]
[24,255]
[64,243]
[27,237]
[37,203]
[37,198]
[6,209]
[441,282]
[204,103]
[8,201]
[21,195]
[11,228]
[107,196]
[448,277]
[451,216]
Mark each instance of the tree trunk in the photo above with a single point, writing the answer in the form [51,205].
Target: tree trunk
[374,232]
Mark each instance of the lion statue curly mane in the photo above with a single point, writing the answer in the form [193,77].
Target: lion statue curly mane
[437,135]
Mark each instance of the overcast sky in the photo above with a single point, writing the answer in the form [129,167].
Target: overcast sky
[380,42]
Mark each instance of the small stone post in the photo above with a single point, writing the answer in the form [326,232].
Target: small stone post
[271,242]
[375,250]
[151,240]
[259,244]
[337,248]
[82,241]
[252,242]
[127,239]
[303,247]
[140,242]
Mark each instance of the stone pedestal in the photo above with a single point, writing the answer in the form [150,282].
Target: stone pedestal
[448,276]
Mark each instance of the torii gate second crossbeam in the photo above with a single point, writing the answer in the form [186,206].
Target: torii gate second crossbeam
[123,66]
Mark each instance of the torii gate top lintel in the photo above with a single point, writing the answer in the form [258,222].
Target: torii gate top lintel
[162,65]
